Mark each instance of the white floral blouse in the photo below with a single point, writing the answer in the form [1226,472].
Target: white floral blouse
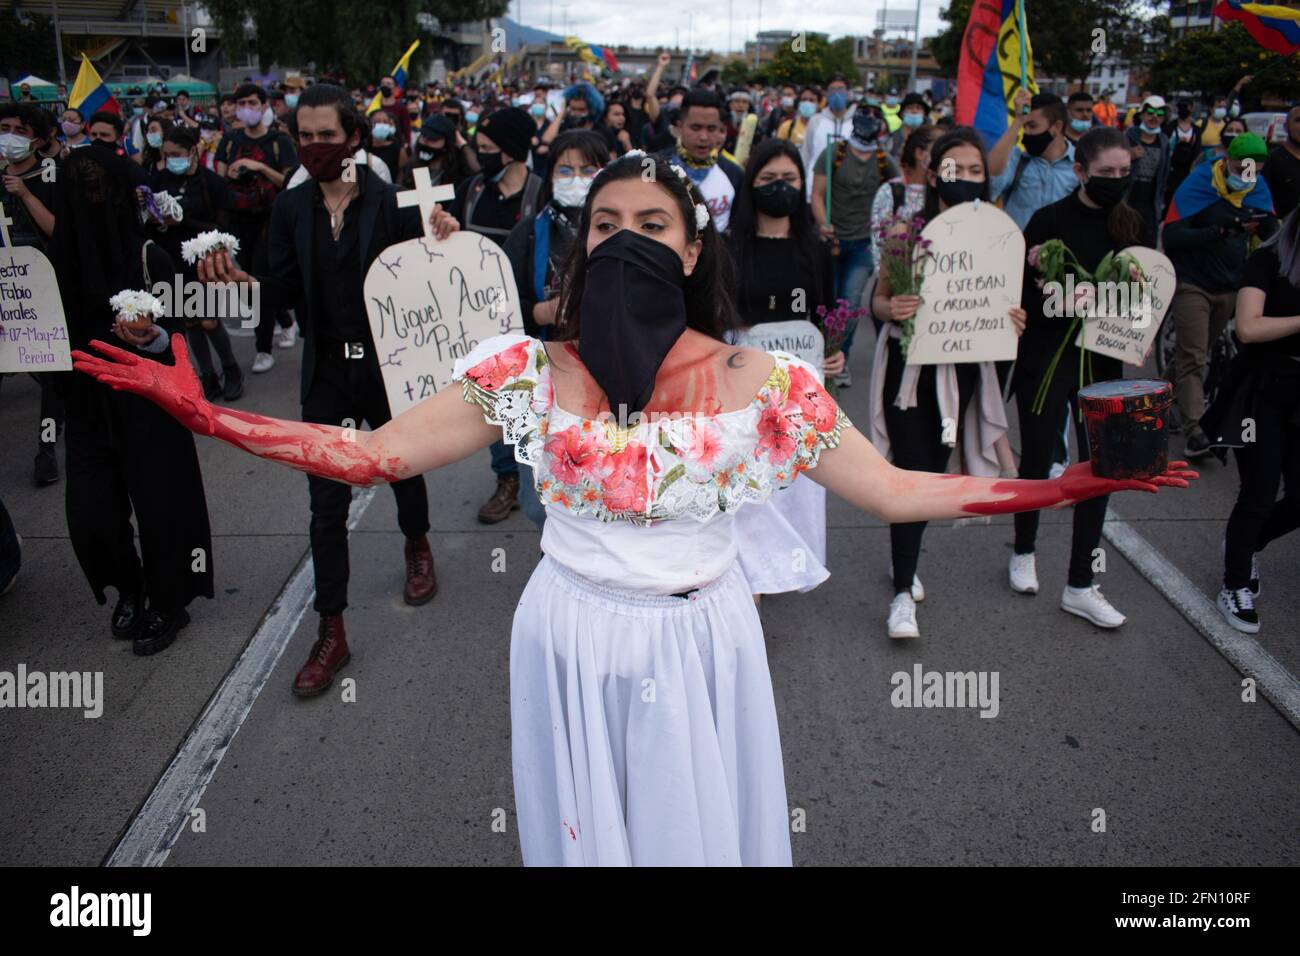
[662,467]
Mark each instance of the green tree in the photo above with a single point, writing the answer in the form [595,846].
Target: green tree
[735,73]
[359,38]
[1206,64]
[811,59]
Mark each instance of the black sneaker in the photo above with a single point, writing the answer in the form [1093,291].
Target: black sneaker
[46,471]
[128,615]
[234,386]
[160,629]
[1197,445]
[1238,609]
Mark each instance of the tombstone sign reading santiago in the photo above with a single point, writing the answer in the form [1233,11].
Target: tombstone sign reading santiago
[430,302]
[970,283]
[1127,327]
[799,337]
[33,331]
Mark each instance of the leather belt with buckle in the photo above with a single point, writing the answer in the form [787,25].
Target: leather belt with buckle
[354,350]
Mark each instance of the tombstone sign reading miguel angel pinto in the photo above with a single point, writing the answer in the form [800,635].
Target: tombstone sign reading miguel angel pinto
[970,282]
[429,303]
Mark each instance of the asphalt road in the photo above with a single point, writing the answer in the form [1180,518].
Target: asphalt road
[1146,725]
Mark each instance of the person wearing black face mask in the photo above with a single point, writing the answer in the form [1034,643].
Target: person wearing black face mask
[1185,140]
[783,273]
[911,405]
[442,151]
[1029,177]
[324,236]
[1092,221]
[492,203]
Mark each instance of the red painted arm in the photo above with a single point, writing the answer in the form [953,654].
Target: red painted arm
[343,454]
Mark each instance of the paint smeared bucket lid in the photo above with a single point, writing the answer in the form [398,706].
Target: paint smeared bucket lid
[1128,433]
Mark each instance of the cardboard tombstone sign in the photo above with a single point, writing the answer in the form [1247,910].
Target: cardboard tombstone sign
[799,337]
[971,281]
[33,330]
[431,302]
[1128,317]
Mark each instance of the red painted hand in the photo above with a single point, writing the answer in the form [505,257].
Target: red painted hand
[1079,483]
[174,388]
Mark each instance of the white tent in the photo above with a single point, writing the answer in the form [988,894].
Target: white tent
[32,81]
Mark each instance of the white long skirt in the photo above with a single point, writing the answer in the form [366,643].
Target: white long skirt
[782,542]
[643,727]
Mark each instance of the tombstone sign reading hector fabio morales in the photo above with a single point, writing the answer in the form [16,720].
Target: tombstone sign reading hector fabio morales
[33,331]
[430,302]
[1126,323]
[969,285]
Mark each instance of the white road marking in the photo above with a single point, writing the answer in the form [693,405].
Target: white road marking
[154,830]
[1243,652]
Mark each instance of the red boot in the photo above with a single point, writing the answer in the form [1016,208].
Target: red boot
[328,655]
[421,584]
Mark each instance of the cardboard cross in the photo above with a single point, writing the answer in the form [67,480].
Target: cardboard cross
[425,195]
[5,223]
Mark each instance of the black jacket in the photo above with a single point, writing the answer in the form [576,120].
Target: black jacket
[1202,255]
[289,283]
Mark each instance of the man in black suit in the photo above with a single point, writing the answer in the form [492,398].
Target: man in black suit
[324,235]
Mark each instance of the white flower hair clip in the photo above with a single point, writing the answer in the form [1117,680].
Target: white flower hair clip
[634,153]
[681,174]
[701,216]
[131,304]
[205,243]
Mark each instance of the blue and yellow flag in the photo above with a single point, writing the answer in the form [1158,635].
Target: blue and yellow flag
[1275,28]
[996,60]
[399,78]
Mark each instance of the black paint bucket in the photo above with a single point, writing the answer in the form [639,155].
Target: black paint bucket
[1128,427]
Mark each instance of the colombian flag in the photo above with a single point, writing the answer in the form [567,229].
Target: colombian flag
[591,53]
[996,59]
[89,94]
[399,78]
[1275,28]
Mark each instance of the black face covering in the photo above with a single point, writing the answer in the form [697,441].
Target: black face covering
[959,191]
[633,310]
[1106,191]
[777,198]
[1036,143]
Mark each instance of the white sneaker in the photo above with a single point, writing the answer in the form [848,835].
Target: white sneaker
[918,589]
[1091,604]
[1238,609]
[1056,471]
[263,362]
[902,616]
[288,337]
[1024,573]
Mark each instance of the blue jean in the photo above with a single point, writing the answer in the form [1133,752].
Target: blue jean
[853,267]
[503,459]
[528,500]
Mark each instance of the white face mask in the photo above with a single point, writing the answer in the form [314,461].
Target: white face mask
[268,116]
[16,148]
[572,192]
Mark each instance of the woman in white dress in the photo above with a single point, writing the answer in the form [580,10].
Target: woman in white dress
[643,724]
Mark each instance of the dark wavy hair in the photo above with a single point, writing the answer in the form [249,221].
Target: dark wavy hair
[1125,224]
[742,229]
[960,136]
[709,307]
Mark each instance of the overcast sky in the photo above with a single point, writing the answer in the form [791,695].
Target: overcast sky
[663,22]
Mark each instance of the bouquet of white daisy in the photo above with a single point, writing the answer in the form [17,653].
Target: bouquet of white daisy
[136,308]
[205,243]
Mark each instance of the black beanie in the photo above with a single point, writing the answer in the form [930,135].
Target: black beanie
[512,129]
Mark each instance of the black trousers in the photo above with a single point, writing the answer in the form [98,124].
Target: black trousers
[127,456]
[1274,456]
[350,389]
[251,230]
[915,443]
[52,408]
[1039,439]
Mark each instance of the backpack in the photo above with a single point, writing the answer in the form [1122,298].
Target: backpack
[257,195]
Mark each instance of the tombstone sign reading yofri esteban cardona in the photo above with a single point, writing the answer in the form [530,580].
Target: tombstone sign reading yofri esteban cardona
[970,283]
[431,301]
[33,331]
